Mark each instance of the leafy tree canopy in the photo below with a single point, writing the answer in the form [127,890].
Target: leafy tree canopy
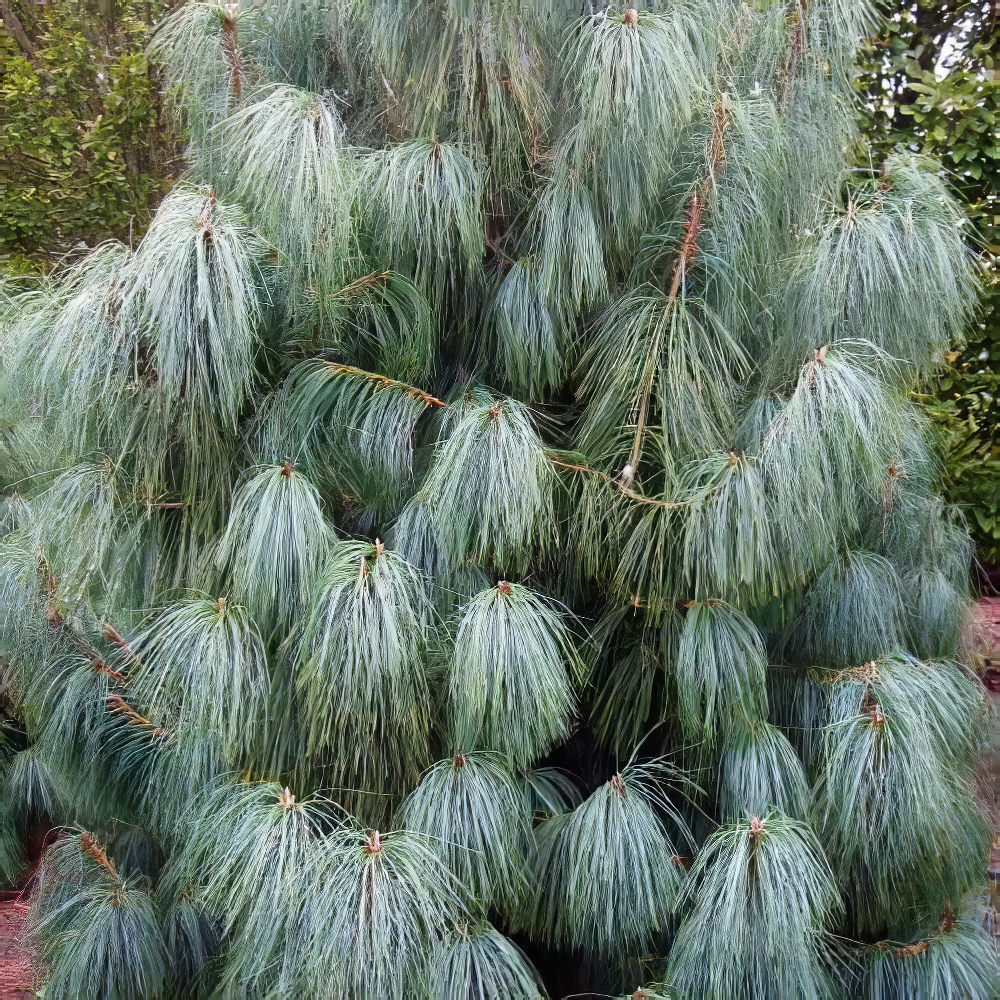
[929,83]
[83,154]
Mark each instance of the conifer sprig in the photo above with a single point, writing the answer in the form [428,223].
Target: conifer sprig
[480,820]
[490,490]
[583,858]
[290,166]
[381,904]
[362,669]
[763,897]
[955,957]
[720,669]
[275,543]
[202,665]
[350,426]
[98,931]
[478,961]
[510,682]
[246,851]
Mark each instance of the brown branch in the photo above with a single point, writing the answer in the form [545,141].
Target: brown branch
[631,494]
[797,43]
[914,949]
[231,49]
[383,382]
[691,228]
[363,283]
[118,704]
[102,667]
[89,845]
[911,950]
[114,637]
[13,25]
[50,585]
[864,673]
[207,207]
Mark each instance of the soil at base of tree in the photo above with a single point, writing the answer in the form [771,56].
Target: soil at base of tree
[15,963]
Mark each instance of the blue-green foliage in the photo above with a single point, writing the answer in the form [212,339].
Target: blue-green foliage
[488,501]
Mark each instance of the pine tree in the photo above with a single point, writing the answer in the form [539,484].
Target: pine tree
[479,544]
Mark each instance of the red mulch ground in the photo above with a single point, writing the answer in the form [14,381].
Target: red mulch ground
[15,964]
[988,629]
[16,973]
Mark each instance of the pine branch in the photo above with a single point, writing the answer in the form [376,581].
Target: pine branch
[475,813]
[231,50]
[381,382]
[478,957]
[691,229]
[203,664]
[955,954]
[362,671]
[382,902]
[98,931]
[275,543]
[489,491]
[764,878]
[350,426]
[509,683]
[622,487]
[615,838]
[720,670]
[118,704]
[89,845]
